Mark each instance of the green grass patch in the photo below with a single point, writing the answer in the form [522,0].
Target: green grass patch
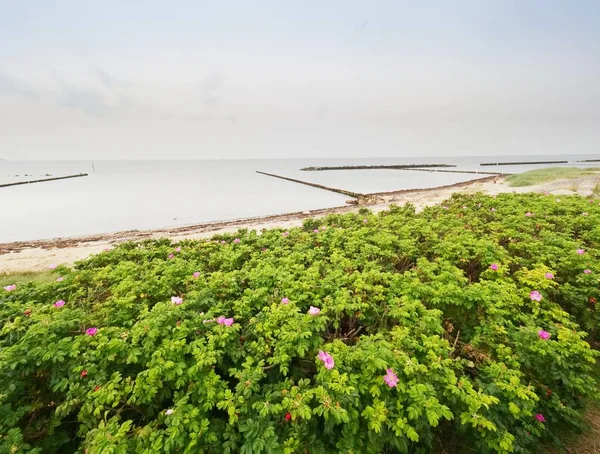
[25,277]
[540,176]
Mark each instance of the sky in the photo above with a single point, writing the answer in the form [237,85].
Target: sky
[230,79]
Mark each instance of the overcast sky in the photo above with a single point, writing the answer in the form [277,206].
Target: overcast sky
[289,78]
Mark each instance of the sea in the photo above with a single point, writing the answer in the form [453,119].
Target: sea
[139,195]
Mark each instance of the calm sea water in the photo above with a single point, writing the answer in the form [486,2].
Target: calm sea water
[127,195]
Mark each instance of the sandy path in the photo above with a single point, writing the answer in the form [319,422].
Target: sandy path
[38,255]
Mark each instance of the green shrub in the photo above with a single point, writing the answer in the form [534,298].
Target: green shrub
[466,324]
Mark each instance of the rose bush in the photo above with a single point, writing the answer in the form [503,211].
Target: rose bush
[471,324]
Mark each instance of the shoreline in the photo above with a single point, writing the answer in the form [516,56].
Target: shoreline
[368,200]
[38,255]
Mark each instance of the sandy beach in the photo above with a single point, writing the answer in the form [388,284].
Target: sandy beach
[38,255]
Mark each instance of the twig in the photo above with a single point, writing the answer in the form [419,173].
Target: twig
[456,340]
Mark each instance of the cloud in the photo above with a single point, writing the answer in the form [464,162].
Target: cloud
[96,96]
[211,89]
[99,93]
[14,86]
[92,102]
[357,32]
[104,77]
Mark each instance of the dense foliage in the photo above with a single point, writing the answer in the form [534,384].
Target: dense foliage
[472,324]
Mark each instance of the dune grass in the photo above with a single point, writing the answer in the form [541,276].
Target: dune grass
[546,175]
[25,277]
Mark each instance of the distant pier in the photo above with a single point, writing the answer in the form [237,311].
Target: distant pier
[460,184]
[411,167]
[475,172]
[17,183]
[522,163]
[393,167]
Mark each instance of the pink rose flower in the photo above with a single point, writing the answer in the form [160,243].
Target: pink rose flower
[494,267]
[91,331]
[59,303]
[391,379]
[549,276]
[314,311]
[544,334]
[176,300]
[327,359]
[10,288]
[196,275]
[540,417]
[535,295]
[284,301]
[224,321]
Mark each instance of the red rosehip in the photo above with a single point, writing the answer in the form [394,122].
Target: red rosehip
[83,373]
[288,416]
